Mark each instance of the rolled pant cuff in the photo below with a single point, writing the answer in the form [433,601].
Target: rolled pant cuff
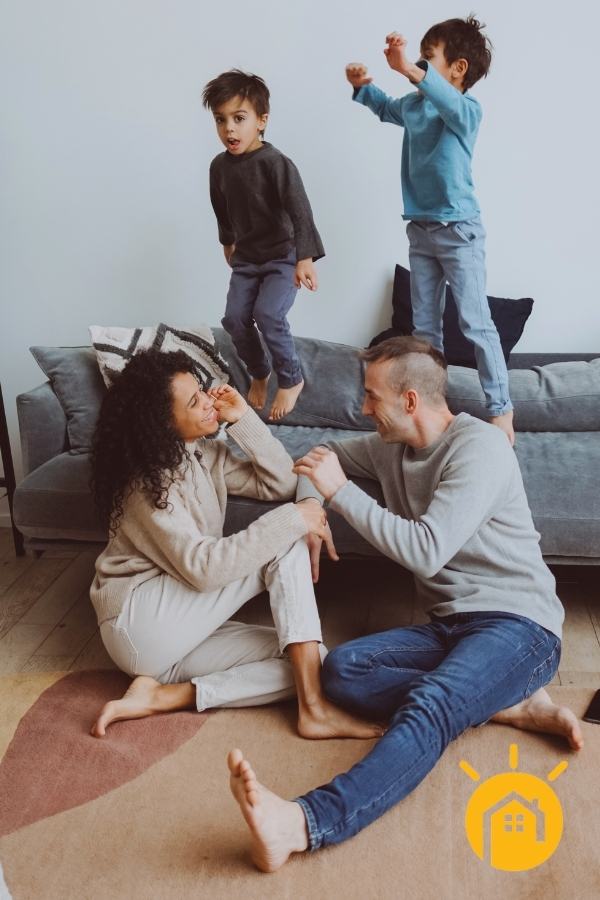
[203,698]
[290,382]
[260,374]
[500,411]
[314,839]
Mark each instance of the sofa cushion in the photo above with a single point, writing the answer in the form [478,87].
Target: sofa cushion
[54,501]
[332,395]
[75,377]
[559,476]
[559,397]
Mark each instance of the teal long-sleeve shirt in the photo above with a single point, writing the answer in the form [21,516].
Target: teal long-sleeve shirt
[440,127]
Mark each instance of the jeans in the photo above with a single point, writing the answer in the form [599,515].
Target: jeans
[432,682]
[455,253]
[262,294]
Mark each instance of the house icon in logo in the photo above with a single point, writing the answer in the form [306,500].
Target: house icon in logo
[513,825]
[513,820]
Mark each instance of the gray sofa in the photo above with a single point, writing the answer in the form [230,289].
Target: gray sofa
[557,418]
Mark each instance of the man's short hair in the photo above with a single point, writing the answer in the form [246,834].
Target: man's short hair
[236,83]
[462,39]
[416,365]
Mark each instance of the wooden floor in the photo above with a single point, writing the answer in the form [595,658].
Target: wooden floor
[47,622]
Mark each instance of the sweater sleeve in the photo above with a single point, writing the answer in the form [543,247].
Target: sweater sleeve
[356,461]
[219,205]
[293,199]
[171,540]
[460,112]
[267,475]
[387,109]
[465,498]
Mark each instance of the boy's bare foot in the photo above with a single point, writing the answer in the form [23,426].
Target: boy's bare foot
[277,826]
[144,697]
[505,423]
[285,400]
[539,713]
[322,720]
[257,395]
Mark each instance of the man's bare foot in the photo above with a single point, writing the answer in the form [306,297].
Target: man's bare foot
[277,826]
[285,400]
[257,395]
[505,423]
[539,713]
[144,697]
[323,720]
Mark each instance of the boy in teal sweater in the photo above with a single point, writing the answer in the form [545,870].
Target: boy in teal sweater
[446,238]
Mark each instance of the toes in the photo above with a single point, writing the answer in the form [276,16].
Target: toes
[234,758]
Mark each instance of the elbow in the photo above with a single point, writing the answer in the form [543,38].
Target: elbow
[427,569]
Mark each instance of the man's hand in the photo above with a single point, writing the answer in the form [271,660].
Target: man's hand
[230,406]
[228,250]
[324,470]
[314,550]
[306,274]
[395,53]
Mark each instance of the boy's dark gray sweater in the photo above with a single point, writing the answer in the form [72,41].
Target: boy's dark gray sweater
[457,516]
[261,206]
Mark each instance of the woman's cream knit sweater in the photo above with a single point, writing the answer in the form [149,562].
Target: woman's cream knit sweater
[186,539]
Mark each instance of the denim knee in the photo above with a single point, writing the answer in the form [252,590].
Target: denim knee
[337,673]
[233,325]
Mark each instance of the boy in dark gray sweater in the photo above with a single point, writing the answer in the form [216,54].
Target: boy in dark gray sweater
[268,235]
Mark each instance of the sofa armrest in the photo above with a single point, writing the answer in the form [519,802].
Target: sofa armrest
[42,425]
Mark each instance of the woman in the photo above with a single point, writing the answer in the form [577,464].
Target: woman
[168,581]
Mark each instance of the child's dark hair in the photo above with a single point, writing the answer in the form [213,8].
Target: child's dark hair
[462,39]
[236,83]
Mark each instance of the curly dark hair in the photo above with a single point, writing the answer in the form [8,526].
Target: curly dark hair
[135,444]
[462,39]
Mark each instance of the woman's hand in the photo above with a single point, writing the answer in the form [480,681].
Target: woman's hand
[315,517]
[230,406]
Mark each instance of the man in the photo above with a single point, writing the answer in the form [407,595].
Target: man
[457,517]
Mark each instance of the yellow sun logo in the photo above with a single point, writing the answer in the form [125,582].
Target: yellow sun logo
[514,820]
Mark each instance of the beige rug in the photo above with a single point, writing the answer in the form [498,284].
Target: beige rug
[147,812]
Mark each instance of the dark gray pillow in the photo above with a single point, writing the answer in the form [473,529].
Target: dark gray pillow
[76,380]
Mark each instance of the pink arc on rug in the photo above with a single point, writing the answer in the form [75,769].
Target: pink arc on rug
[53,764]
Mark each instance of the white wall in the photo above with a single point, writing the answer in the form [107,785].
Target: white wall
[104,210]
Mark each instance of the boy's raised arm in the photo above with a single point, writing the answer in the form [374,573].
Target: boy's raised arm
[388,109]
[460,113]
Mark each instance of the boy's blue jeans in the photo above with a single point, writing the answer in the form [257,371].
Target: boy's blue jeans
[456,253]
[432,682]
[261,294]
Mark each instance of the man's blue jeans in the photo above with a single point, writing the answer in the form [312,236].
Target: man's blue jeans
[262,294]
[432,682]
[456,253]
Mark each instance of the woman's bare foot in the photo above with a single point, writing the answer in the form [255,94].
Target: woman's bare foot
[539,713]
[277,826]
[285,400]
[505,423]
[322,720]
[257,395]
[144,697]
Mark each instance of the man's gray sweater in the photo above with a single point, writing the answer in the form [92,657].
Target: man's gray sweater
[457,516]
